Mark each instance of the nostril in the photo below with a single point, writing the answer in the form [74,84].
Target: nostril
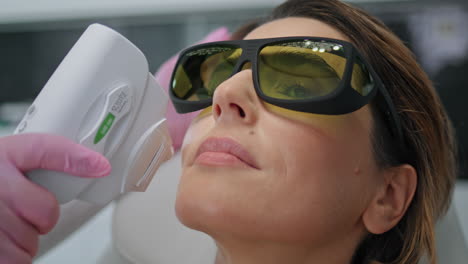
[241,111]
[217,110]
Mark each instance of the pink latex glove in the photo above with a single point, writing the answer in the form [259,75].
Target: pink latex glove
[179,123]
[26,209]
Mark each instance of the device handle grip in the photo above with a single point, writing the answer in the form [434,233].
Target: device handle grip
[55,181]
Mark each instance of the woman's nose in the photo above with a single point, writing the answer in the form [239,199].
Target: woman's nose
[235,99]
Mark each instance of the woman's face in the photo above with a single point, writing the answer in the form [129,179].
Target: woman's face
[288,177]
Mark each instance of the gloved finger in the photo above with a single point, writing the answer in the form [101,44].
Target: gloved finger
[21,233]
[29,201]
[51,152]
[177,123]
[10,253]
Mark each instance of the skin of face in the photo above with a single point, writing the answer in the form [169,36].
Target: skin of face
[316,174]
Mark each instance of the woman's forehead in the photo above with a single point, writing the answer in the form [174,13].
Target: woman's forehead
[295,26]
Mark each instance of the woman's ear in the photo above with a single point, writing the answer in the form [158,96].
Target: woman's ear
[391,200]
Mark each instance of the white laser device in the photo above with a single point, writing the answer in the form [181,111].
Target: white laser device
[103,97]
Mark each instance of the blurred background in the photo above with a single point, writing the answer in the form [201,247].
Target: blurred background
[36,35]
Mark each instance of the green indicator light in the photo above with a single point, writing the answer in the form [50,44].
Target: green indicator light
[104,128]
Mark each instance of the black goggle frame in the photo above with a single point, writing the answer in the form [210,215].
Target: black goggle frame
[344,99]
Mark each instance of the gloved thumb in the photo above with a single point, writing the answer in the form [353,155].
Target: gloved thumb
[52,152]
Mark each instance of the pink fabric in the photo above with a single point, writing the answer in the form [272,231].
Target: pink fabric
[179,123]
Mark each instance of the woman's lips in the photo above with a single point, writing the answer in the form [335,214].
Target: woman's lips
[224,152]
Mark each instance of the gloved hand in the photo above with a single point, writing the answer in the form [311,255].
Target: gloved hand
[26,209]
[178,123]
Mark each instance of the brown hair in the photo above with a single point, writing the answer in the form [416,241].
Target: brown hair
[427,129]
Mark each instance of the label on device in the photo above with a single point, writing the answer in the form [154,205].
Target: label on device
[104,128]
[117,105]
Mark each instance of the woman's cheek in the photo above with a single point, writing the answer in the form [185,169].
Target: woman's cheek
[188,138]
[200,117]
[195,133]
[187,143]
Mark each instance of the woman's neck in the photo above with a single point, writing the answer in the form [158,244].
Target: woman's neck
[272,254]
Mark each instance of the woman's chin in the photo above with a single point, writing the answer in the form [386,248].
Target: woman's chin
[208,206]
[196,210]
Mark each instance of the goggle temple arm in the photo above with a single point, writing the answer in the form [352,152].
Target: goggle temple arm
[392,117]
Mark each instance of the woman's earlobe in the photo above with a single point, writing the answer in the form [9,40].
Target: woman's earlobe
[392,200]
